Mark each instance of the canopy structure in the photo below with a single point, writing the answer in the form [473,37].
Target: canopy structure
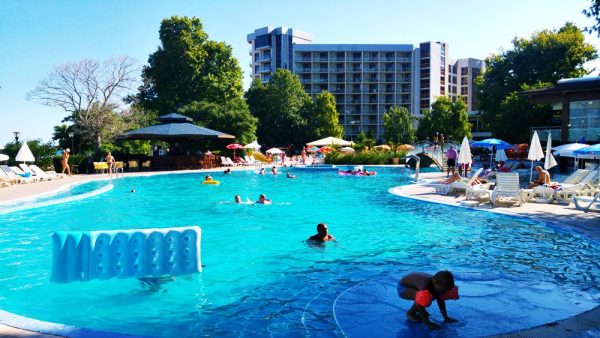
[492,143]
[174,127]
[330,141]
[3,157]
[274,151]
[566,150]
[253,145]
[24,154]
[592,151]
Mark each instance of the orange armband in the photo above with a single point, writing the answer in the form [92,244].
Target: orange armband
[423,298]
[450,294]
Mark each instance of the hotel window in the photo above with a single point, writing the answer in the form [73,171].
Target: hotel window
[464,90]
[464,71]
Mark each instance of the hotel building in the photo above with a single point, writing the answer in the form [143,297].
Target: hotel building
[365,79]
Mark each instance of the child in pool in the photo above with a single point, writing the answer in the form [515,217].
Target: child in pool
[423,288]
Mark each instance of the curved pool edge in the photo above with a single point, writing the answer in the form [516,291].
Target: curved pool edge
[575,326]
[33,325]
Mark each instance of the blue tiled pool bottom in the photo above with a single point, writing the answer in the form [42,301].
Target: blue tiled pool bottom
[261,278]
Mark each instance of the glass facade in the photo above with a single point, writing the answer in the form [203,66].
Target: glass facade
[584,121]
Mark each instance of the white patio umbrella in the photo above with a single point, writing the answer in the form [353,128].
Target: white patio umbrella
[274,151]
[549,162]
[347,150]
[3,157]
[253,145]
[464,153]
[535,152]
[24,154]
[329,141]
[566,150]
[501,155]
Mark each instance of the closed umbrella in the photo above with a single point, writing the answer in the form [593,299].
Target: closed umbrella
[464,154]
[549,162]
[501,155]
[24,154]
[535,152]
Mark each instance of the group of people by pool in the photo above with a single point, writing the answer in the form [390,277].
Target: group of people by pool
[357,172]
[262,199]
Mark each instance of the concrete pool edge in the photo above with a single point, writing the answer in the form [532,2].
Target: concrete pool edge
[575,326]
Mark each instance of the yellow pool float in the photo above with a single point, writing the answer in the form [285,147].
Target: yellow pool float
[215,182]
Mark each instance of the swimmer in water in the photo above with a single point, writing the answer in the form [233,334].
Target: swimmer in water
[262,199]
[288,175]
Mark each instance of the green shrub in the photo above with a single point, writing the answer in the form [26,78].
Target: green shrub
[363,157]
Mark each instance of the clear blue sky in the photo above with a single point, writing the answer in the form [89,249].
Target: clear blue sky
[36,35]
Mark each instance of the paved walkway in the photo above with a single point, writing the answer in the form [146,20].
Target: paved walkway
[584,325]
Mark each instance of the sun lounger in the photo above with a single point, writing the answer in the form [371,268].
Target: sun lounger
[37,171]
[507,190]
[230,162]
[586,185]
[24,175]
[587,203]
[13,177]
[457,186]
[42,175]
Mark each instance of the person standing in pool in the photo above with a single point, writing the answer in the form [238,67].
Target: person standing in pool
[262,199]
[322,235]
[423,288]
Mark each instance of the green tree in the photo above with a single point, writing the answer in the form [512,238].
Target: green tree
[282,107]
[594,13]
[445,117]
[398,124]
[187,68]
[325,118]
[544,59]
[232,117]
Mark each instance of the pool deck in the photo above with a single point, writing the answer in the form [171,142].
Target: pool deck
[566,217]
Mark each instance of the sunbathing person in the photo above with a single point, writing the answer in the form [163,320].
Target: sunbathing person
[543,178]
[454,178]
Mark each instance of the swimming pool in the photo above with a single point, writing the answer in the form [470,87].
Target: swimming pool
[260,277]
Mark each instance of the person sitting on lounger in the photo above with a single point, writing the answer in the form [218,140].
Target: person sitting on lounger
[454,178]
[543,178]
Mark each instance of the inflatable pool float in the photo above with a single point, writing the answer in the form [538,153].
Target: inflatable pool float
[368,173]
[214,182]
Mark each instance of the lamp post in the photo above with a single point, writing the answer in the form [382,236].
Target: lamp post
[16,136]
[71,134]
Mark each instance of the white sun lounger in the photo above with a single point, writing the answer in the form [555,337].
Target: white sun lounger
[21,173]
[587,203]
[457,185]
[507,190]
[37,170]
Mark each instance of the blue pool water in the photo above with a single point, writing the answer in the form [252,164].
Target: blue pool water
[262,279]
